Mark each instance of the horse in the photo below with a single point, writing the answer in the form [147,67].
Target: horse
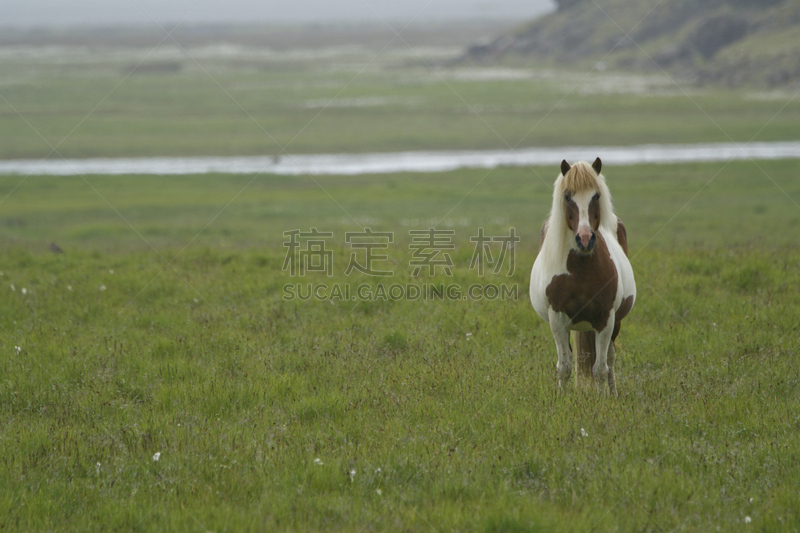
[582,280]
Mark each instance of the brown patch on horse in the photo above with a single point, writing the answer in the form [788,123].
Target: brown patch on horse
[587,291]
[622,236]
[573,214]
[624,308]
[621,313]
[543,234]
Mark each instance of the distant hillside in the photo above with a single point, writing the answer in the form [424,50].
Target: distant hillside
[730,42]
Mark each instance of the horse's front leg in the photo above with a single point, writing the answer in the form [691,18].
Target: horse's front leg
[600,370]
[560,325]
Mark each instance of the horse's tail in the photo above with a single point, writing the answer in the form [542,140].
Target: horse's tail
[585,353]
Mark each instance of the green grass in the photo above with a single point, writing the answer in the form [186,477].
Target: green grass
[262,408]
[713,205]
[94,111]
[163,327]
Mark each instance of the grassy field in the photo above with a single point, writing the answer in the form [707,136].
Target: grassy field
[154,375]
[151,336]
[205,101]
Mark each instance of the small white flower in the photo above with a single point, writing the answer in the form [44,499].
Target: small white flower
[469,335]
[13,288]
[69,288]
[352,474]
[24,290]
[751,500]
[583,433]
[156,456]
[111,271]
[747,520]
[378,492]
[102,287]
[318,461]
[378,470]
[17,350]
[97,468]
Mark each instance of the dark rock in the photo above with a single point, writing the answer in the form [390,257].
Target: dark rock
[779,77]
[717,32]
[672,55]
[688,36]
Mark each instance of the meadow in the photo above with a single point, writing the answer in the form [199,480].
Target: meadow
[156,377]
[237,100]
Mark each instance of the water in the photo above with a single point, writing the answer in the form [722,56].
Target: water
[384,163]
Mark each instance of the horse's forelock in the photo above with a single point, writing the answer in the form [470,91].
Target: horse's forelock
[579,178]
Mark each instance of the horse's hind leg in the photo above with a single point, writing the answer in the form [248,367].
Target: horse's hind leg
[612,380]
[584,355]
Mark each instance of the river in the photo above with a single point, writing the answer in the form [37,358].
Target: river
[384,163]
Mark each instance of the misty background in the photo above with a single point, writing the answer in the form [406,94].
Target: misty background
[57,13]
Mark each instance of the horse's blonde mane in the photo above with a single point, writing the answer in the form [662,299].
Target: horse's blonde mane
[559,239]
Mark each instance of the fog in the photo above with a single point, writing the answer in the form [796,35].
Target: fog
[54,13]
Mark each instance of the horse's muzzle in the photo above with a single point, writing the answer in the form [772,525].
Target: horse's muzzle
[585,242]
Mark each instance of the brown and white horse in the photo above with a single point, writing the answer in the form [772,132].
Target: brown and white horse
[582,280]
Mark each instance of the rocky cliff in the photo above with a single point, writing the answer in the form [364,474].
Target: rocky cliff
[730,42]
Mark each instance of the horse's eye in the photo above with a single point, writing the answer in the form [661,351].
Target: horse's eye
[596,196]
[567,197]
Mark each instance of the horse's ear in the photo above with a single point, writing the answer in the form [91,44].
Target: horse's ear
[564,167]
[597,165]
